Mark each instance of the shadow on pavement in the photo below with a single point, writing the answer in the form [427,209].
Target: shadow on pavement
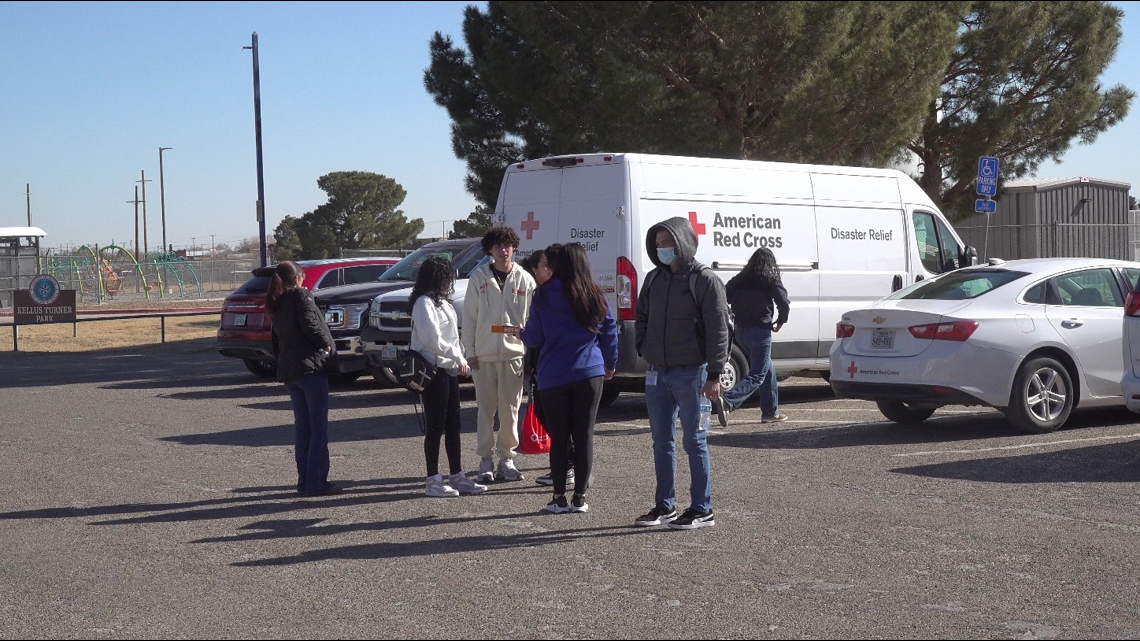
[440,546]
[1113,462]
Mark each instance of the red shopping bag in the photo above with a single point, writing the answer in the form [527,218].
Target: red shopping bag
[533,438]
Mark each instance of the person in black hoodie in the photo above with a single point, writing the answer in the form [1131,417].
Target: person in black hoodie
[682,332]
[760,304]
[302,343]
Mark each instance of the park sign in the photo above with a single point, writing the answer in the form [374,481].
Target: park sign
[43,302]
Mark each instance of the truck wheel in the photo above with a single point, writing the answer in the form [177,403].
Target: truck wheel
[385,377]
[610,393]
[264,369]
[345,379]
[1042,396]
[906,413]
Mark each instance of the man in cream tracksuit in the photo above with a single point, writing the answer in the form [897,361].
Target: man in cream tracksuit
[498,299]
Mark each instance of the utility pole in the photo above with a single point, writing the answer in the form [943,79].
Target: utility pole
[28,193]
[212,245]
[136,201]
[257,134]
[162,195]
[144,181]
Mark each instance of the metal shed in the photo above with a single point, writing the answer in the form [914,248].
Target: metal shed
[19,259]
[1056,217]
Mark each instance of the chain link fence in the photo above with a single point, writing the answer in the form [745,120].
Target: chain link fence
[1096,240]
[104,280]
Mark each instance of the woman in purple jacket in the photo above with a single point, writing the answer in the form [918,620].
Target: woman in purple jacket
[571,323]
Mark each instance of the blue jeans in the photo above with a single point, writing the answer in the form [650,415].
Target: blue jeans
[310,397]
[677,395]
[761,375]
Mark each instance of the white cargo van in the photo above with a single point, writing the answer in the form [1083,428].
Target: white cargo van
[843,236]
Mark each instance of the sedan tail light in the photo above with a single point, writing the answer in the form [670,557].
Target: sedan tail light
[956,331]
[844,330]
[1132,304]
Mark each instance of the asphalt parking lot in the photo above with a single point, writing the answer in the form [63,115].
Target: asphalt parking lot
[149,495]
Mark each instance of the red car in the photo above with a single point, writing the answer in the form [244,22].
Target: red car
[244,332]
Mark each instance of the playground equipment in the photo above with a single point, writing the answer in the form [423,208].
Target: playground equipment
[101,273]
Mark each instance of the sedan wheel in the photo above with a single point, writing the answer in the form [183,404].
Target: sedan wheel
[1042,396]
[264,369]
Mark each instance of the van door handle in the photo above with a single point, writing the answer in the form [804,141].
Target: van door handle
[896,284]
[1072,323]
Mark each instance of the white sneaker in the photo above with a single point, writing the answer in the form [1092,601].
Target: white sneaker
[486,471]
[437,488]
[508,471]
[460,483]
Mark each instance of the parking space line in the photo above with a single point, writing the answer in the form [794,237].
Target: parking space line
[1021,445]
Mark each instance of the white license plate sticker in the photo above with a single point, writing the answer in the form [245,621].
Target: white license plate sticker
[882,339]
[239,320]
[388,353]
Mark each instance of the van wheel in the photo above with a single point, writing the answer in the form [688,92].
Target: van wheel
[1042,396]
[264,369]
[610,393]
[826,376]
[906,413]
[734,370]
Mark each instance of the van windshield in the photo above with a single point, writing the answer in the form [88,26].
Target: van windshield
[959,285]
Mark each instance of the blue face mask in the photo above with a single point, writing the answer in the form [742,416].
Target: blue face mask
[666,255]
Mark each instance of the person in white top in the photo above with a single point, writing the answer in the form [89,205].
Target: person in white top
[496,305]
[435,335]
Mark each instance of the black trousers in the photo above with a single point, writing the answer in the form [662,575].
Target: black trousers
[441,414]
[570,412]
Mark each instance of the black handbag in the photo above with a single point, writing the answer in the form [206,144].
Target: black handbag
[416,372]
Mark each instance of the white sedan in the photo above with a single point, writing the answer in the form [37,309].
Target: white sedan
[1033,338]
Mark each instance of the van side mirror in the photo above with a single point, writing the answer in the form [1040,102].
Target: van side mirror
[969,257]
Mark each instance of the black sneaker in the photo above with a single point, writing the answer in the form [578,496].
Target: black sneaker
[548,479]
[578,503]
[330,489]
[693,519]
[558,505]
[657,516]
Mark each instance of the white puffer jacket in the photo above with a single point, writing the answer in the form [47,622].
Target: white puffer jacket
[435,334]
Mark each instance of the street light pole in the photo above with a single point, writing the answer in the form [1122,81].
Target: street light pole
[257,134]
[162,195]
[144,181]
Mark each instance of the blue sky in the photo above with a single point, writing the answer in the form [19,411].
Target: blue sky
[90,91]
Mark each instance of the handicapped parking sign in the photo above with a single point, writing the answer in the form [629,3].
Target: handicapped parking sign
[987,176]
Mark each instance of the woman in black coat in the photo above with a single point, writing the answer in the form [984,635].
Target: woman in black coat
[302,343]
[760,307]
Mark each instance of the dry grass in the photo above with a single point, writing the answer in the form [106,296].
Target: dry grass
[193,332]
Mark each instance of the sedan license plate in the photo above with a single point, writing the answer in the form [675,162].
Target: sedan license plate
[239,320]
[334,317]
[883,339]
[388,353]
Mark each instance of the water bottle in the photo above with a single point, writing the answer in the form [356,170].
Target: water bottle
[706,414]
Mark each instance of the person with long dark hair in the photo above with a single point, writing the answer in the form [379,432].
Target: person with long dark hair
[760,304]
[570,322]
[540,265]
[435,335]
[302,343]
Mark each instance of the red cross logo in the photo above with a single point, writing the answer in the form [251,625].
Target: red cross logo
[698,228]
[530,225]
[852,370]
